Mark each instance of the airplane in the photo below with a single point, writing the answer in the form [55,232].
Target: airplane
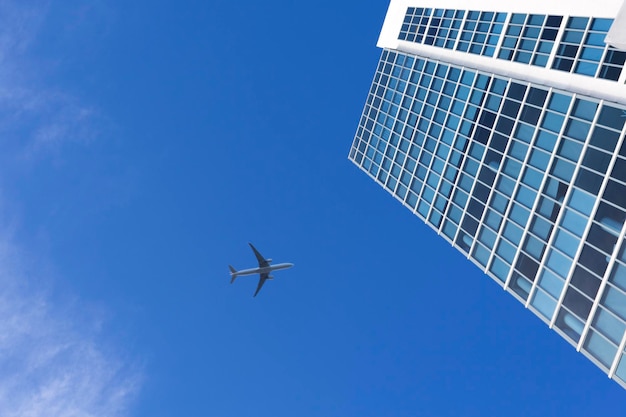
[263,270]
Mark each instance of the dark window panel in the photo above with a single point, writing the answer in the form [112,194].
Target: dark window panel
[530,115]
[588,181]
[610,218]
[554,21]
[612,117]
[604,138]
[470,225]
[516,91]
[596,160]
[487,175]
[610,73]
[527,266]
[601,238]
[510,108]
[615,193]
[593,260]
[577,303]
[586,282]
[476,208]
[563,64]
[615,57]
[499,142]
[481,192]
[536,96]
[619,170]
[487,118]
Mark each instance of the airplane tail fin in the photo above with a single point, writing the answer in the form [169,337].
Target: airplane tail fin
[233,273]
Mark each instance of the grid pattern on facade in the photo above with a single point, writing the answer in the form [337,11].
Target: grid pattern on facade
[582,49]
[515,175]
[481,32]
[529,39]
[444,28]
[612,64]
[415,23]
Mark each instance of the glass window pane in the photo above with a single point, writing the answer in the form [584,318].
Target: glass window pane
[559,102]
[618,276]
[566,243]
[577,303]
[541,228]
[582,201]
[562,169]
[577,129]
[574,222]
[553,122]
[534,247]
[600,348]
[506,251]
[570,149]
[481,254]
[499,269]
[615,300]
[544,304]
[519,215]
[609,325]
[513,233]
[621,369]
[493,220]
[584,109]
[612,117]
[551,283]
[559,263]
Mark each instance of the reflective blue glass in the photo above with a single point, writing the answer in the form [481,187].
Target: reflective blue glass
[574,222]
[519,214]
[558,263]
[566,243]
[506,251]
[559,102]
[501,270]
[551,283]
[513,233]
[544,304]
[582,201]
[552,121]
[600,348]
[589,38]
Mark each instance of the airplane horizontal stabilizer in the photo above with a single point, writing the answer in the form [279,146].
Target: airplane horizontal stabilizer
[233,273]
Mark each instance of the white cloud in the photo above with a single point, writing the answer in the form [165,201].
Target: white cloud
[53,361]
[36,116]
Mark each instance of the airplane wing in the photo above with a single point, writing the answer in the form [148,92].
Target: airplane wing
[261,282]
[262,262]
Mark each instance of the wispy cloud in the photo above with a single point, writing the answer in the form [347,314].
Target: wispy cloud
[53,360]
[37,116]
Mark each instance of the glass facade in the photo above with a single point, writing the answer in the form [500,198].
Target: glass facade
[574,44]
[530,38]
[527,181]
[582,49]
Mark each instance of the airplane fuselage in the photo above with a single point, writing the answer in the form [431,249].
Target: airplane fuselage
[263,270]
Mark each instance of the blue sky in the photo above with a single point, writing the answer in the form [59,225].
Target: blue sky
[144,143]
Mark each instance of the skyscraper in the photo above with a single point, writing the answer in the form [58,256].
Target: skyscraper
[501,126]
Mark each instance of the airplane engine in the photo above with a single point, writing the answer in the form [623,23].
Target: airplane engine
[270,277]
